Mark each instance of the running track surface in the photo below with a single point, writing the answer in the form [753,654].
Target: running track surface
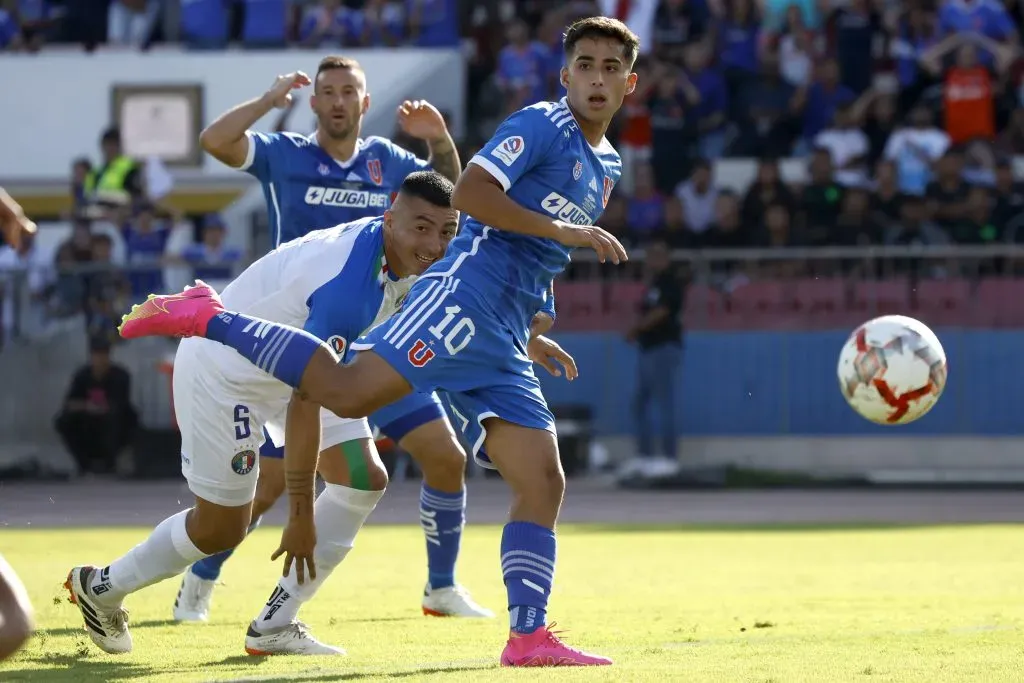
[126,503]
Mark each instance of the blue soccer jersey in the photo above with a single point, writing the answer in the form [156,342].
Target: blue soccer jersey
[336,284]
[465,324]
[306,189]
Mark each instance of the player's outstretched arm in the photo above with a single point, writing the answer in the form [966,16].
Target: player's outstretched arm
[15,612]
[301,452]
[13,221]
[225,139]
[481,195]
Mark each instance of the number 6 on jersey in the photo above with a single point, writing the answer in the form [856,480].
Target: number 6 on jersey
[455,339]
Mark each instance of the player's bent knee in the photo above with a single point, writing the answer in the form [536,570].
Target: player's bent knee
[438,453]
[354,464]
[214,528]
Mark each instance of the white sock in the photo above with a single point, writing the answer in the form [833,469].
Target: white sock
[339,513]
[167,552]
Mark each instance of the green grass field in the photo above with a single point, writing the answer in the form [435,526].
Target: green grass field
[730,605]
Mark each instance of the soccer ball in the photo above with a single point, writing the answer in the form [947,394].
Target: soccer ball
[892,370]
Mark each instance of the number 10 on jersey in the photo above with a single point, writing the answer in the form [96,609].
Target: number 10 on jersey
[455,337]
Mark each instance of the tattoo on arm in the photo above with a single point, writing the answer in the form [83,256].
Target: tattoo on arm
[445,159]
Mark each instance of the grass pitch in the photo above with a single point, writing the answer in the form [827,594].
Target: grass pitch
[730,605]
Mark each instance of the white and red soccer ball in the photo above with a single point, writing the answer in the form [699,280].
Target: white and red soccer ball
[892,370]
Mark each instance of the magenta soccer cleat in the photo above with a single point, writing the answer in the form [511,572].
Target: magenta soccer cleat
[544,648]
[172,315]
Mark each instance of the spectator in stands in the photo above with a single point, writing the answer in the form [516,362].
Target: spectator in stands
[10,32]
[1009,194]
[766,110]
[978,225]
[888,195]
[855,26]
[914,228]
[634,143]
[145,239]
[915,149]
[847,146]
[916,34]
[645,209]
[969,98]
[434,23]
[107,292]
[659,337]
[728,231]
[738,42]
[672,130]
[876,112]
[329,24]
[798,50]
[1011,140]
[857,225]
[985,17]
[710,103]
[767,189]
[81,169]
[818,206]
[211,259]
[823,97]
[947,194]
[522,68]
[130,23]
[98,421]
[678,23]
[119,179]
[697,198]
[72,255]
[381,23]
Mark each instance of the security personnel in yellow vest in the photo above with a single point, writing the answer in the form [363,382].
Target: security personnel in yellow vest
[118,180]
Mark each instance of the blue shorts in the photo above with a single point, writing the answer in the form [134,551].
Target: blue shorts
[445,340]
[395,420]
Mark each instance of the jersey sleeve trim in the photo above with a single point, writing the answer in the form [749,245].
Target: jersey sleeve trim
[492,168]
[250,154]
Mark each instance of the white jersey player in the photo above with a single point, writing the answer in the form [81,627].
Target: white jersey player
[336,283]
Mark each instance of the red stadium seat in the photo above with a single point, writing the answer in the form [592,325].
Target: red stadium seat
[881,297]
[704,309]
[579,305]
[999,302]
[820,303]
[623,304]
[939,303]
[760,305]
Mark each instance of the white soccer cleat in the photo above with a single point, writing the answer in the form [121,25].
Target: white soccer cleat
[106,625]
[193,601]
[452,601]
[293,639]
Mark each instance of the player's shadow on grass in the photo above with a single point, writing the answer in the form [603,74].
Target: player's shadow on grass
[78,669]
[79,629]
[389,675]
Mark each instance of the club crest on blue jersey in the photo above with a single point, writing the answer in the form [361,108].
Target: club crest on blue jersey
[373,167]
[243,462]
[577,170]
[324,169]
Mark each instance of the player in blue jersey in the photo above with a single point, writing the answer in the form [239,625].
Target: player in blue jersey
[318,181]
[532,194]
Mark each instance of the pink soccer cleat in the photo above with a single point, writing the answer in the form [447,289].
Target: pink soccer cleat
[544,648]
[173,315]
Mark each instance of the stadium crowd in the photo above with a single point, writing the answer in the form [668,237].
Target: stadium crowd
[904,114]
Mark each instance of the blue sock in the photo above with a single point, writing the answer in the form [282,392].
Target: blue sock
[209,567]
[528,565]
[279,350]
[442,516]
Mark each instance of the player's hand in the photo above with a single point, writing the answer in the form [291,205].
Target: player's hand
[600,240]
[297,544]
[550,355]
[280,92]
[421,120]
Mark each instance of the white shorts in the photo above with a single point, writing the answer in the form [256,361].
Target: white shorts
[222,403]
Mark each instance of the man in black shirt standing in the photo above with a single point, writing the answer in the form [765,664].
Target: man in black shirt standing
[659,338]
[98,421]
